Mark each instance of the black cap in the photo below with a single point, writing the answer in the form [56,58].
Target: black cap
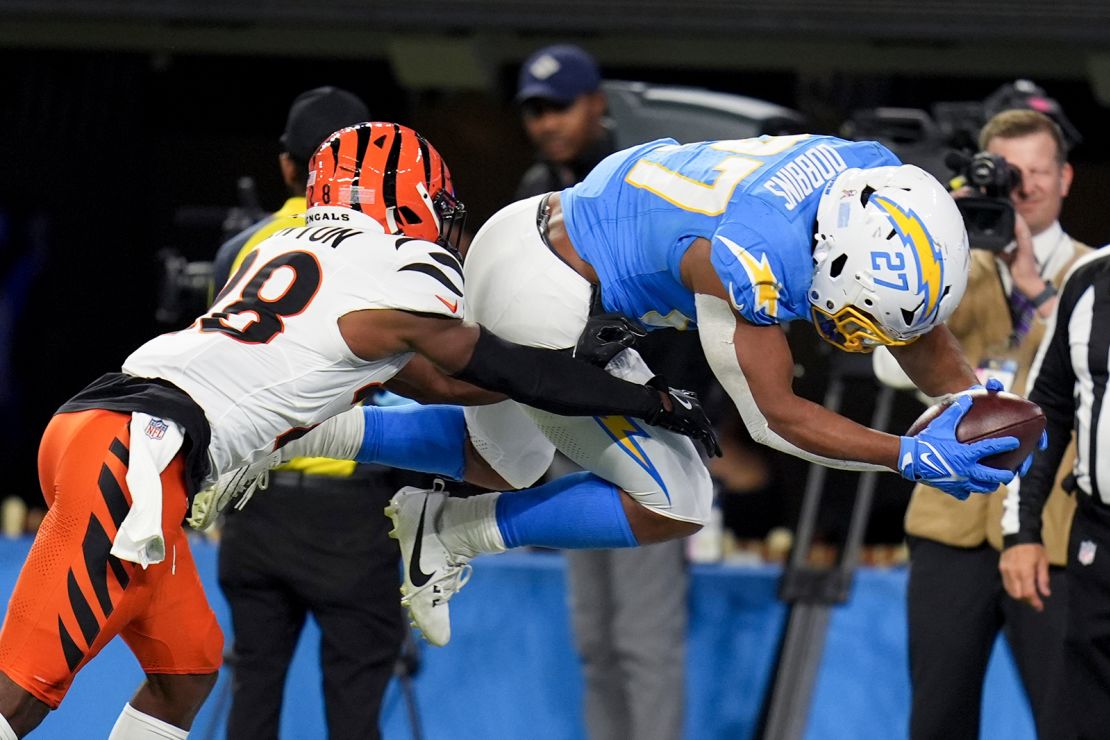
[317,114]
[1027,94]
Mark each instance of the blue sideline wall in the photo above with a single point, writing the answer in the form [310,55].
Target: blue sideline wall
[510,672]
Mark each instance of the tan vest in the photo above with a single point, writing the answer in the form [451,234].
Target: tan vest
[982,325]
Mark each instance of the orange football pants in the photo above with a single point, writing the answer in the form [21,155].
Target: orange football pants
[73,597]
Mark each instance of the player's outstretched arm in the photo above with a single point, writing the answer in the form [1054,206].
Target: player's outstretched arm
[755,366]
[935,363]
[422,381]
[545,379]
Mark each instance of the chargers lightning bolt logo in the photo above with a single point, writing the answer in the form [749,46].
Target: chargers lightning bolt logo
[765,285]
[930,264]
[624,432]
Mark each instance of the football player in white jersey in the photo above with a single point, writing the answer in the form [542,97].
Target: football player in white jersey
[367,293]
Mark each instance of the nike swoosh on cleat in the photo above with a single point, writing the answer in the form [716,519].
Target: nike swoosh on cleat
[417,576]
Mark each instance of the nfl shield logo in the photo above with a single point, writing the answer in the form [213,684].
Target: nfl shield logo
[156,429]
[1087,552]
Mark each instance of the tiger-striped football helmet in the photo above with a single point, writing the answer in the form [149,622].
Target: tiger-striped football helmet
[391,174]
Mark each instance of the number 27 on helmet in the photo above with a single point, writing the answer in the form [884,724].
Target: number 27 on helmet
[891,258]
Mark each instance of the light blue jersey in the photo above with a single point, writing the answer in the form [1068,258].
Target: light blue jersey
[636,214]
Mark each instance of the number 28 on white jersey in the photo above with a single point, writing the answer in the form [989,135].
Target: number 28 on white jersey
[268,360]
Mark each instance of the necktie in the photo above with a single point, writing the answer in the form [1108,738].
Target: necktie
[1022,310]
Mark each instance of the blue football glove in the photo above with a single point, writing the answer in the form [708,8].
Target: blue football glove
[938,459]
[994,385]
[1042,444]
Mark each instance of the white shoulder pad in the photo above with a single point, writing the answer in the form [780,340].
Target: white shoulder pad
[427,278]
[399,272]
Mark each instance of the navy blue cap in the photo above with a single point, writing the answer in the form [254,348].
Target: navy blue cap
[559,74]
[315,115]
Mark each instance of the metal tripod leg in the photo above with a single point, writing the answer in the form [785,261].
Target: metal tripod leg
[811,592]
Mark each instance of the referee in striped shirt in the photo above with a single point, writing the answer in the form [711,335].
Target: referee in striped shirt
[1068,381]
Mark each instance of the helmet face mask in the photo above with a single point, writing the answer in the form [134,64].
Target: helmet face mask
[852,330]
[391,174]
[452,219]
[891,258]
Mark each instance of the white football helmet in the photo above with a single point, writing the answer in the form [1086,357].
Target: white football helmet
[891,258]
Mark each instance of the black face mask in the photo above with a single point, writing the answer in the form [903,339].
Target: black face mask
[452,218]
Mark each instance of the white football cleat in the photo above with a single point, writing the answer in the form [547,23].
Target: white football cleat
[237,485]
[432,572]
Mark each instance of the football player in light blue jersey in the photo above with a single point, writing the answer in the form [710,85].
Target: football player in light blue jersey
[733,239]
[636,215]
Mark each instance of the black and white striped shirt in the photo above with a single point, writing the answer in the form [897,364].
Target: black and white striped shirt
[1068,381]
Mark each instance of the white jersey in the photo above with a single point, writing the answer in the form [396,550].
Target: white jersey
[268,360]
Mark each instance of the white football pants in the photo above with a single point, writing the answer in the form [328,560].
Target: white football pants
[519,289]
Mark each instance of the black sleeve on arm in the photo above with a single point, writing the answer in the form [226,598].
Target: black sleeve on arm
[554,381]
[1051,389]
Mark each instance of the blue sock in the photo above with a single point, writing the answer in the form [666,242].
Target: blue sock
[575,512]
[427,439]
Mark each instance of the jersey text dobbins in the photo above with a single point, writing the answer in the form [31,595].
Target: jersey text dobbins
[805,173]
[636,215]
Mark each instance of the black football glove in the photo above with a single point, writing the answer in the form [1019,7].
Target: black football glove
[685,417]
[605,336]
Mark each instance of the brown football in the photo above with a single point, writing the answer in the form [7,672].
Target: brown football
[994,415]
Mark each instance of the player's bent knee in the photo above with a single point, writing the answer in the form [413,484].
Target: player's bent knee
[20,709]
[701,488]
[174,698]
[182,686]
[478,471]
[680,492]
[650,527]
[517,472]
[689,500]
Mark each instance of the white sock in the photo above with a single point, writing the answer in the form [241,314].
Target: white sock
[134,725]
[468,526]
[340,437]
[6,731]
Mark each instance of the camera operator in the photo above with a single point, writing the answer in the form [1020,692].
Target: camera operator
[956,601]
